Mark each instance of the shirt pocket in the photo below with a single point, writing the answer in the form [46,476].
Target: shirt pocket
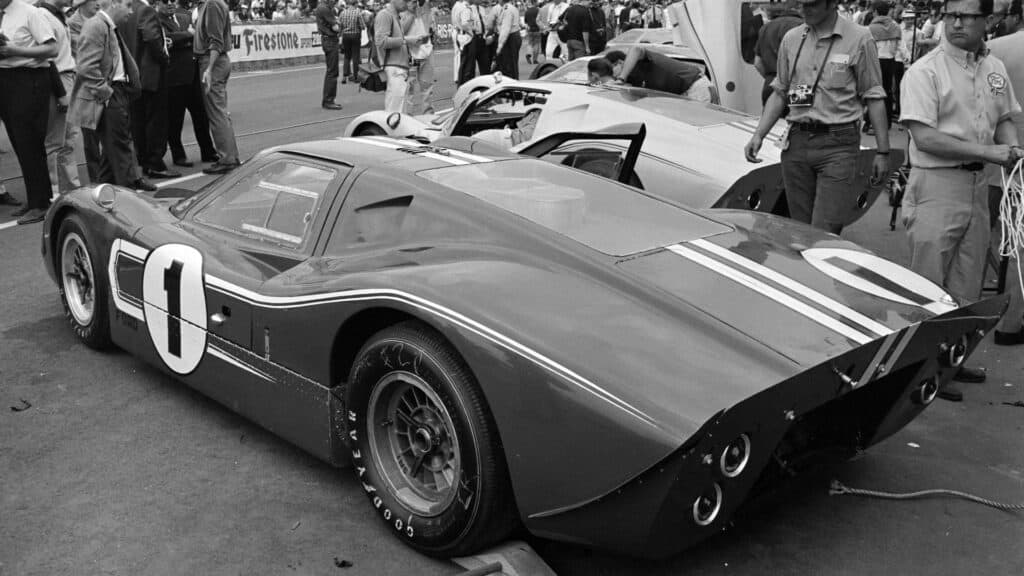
[838,72]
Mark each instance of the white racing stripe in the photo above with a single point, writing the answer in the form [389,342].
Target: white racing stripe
[10,224]
[436,309]
[801,289]
[392,144]
[457,153]
[774,294]
[883,350]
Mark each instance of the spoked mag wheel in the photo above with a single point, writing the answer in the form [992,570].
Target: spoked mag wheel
[83,289]
[424,444]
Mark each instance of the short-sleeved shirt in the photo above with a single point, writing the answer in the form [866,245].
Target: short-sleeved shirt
[25,26]
[1009,49]
[577,21]
[771,37]
[958,93]
[65,61]
[851,72]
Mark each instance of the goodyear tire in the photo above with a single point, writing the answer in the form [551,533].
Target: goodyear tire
[82,285]
[425,445]
[370,130]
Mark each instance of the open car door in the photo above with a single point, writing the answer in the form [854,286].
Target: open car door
[723,32]
[595,160]
[495,109]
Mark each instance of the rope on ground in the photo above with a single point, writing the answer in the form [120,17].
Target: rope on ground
[837,488]
[1011,216]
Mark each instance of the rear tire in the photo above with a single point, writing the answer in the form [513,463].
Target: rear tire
[370,130]
[542,70]
[82,285]
[425,445]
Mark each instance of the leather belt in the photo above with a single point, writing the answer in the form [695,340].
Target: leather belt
[972,166]
[820,128]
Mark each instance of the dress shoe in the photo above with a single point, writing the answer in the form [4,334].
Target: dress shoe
[32,216]
[331,106]
[20,211]
[970,375]
[161,173]
[211,158]
[219,168]
[1009,338]
[7,200]
[183,162]
[143,184]
[951,392]
[344,79]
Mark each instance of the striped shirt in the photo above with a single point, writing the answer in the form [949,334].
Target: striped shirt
[350,20]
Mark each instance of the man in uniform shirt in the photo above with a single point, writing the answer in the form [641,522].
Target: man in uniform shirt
[828,71]
[957,103]
[26,44]
[509,40]
[473,59]
[60,134]
[1009,48]
[459,38]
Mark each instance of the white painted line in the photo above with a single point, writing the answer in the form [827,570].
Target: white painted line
[182,179]
[10,224]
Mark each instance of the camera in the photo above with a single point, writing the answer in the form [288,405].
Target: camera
[800,96]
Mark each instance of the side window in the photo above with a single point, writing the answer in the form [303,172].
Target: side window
[603,158]
[275,204]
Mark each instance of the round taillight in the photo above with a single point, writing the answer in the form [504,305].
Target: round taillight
[735,456]
[954,355]
[707,505]
[927,391]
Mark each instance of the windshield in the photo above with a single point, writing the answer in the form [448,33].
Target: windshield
[596,212]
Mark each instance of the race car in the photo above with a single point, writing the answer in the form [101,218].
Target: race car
[693,151]
[499,341]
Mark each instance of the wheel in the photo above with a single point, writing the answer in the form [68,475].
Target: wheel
[83,288]
[425,445]
[542,70]
[370,130]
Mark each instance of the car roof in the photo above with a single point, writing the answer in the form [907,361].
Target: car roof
[374,151]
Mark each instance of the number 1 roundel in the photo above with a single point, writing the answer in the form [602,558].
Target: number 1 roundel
[174,302]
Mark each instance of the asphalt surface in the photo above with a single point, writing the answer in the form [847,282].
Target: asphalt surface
[115,468]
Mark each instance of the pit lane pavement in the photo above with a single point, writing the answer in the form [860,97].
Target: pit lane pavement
[117,469]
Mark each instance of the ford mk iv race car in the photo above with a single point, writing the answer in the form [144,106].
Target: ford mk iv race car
[501,342]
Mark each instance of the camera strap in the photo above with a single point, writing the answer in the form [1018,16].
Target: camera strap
[800,50]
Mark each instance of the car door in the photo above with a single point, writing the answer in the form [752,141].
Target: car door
[720,31]
[497,109]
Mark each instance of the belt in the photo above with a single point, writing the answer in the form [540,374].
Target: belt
[821,128]
[969,167]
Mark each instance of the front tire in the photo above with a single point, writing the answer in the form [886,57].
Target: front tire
[83,288]
[425,445]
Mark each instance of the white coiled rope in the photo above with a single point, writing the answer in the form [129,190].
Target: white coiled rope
[1011,216]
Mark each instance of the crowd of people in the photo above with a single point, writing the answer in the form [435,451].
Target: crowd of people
[117,75]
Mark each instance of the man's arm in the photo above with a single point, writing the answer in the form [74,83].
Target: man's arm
[636,54]
[46,42]
[772,112]
[936,143]
[880,120]
[504,28]
[90,56]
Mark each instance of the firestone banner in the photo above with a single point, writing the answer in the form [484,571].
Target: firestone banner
[254,42]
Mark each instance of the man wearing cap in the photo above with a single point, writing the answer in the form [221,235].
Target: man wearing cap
[1009,48]
[828,72]
[27,44]
[957,103]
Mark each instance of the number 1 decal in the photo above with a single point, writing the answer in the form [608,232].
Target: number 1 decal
[174,303]
[172,286]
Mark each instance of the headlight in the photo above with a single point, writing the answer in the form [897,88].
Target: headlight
[104,196]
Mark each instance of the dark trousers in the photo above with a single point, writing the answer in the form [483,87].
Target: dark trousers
[91,147]
[474,57]
[330,46]
[819,170]
[25,109]
[350,51]
[508,60]
[188,97]
[897,79]
[889,83]
[116,162]
[149,126]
